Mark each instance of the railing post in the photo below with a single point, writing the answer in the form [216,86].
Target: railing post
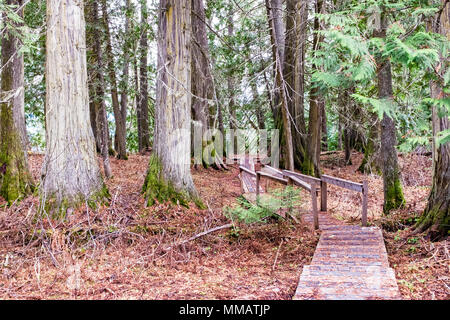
[323,196]
[314,205]
[365,202]
[257,186]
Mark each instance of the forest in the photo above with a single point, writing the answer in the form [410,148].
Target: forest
[224,149]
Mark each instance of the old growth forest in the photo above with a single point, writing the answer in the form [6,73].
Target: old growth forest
[224,149]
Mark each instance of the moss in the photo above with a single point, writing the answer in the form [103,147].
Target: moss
[57,207]
[394,198]
[308,167]
[436,220]
[157,188]
[15,180]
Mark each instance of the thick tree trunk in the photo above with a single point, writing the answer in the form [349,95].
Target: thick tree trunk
[435,219]
[142,107]
[296,16]
[70,174]
[15,179]
[311,163]
[280,84]
[393,193]
[169,176]
[120,135]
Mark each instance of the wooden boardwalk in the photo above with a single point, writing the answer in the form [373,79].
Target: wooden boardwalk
[350,263]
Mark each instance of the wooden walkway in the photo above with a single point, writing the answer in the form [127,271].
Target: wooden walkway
[350,262]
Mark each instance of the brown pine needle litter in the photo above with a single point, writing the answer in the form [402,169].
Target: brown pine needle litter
[129,251]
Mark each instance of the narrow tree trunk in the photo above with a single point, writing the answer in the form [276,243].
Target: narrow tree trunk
[15,178]
[70,174]
[125,72]
[435,219]
[323,113]
[120,135]
[371,160]
[169,176]
[143,128]
[393,193]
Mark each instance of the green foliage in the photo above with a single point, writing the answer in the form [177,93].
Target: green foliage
[267,206]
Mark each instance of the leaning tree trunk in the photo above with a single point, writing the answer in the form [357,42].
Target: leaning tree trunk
[15,178]
[435,218]
[169,176]
[70,174]
[393,193]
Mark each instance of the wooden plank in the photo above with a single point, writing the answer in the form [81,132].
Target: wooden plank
[358,187]
[300,183]
[269,176]
[314,205]
[300,176]
[323,196]
[242,168]
[365,203]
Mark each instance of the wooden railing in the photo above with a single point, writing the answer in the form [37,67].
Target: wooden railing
[313,185]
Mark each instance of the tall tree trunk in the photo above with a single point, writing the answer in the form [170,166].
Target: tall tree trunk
[323,113]
[435,218]
[70,174]
[97,83]
[125,71]
[143,124]
[15,178]
[393,193]
[311,163]
[296,16]
[280,84]
[169,176]
[120,135]
[231,89]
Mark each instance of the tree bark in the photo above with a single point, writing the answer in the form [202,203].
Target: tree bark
[15,178]
[97,84]
[311,163]
[120,134]
[169,176]
[435,219]
[280,84]
[70,174]
[393,193]
[296,17]
[142,107]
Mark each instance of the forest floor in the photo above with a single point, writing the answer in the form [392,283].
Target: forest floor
[129,251]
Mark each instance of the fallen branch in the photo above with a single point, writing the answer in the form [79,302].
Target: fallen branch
[276,256]
[201,234]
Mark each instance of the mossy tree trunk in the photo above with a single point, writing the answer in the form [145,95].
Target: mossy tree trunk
[371,160]
[70,174]
[393,193]
[15,179]
[169,176]
[435,219]
[311,163]
[202,88]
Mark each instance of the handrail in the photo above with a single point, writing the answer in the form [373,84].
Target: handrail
[241,168]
